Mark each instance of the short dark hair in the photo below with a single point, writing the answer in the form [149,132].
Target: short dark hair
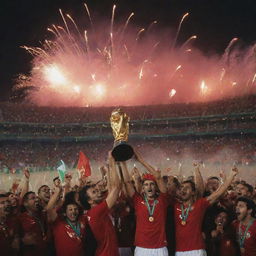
[214,178]
[67,203]
[220,210]
[55,178]
[192,183]
[39,190]
[249,187]
[83,197]
[25,197]
[70,197]
[176,182]
[3,195]
[249,203]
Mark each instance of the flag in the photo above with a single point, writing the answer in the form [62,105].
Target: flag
[83,165]
[61,167]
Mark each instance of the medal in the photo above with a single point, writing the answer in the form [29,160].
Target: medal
[242,235]
[151,209]
[76,228]
[151,218]
[183,222]
[184,214]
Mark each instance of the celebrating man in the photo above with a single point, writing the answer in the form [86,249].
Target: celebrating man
[150,209]
[68,228]
[33,227]
[189,214]
[9,239]
[246,226]
[98,213]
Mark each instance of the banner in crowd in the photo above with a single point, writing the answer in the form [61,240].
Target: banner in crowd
[83,165]
[61,167]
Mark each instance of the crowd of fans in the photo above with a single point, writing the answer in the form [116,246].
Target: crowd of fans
[215,151]
[151,127]
[35,114]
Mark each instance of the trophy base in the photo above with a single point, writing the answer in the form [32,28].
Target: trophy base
[122,151]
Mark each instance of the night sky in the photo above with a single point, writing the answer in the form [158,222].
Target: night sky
[216,22]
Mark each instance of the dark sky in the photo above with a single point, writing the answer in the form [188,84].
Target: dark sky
[24,22]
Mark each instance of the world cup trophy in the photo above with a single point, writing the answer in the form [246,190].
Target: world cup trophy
[120,127]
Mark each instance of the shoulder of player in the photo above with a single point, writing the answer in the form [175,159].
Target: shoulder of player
[202,201]
[98,209]
[254,226]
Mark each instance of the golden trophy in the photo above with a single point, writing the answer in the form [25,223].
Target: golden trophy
[120,126]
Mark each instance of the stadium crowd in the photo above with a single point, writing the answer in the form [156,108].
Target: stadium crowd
[45,155]
[34,114]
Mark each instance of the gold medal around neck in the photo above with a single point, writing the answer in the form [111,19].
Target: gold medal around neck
[151,218]
[183,222]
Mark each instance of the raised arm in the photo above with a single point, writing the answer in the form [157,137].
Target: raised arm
[109,178]
[115,183]
[25,186]
[199,182]
[157,174]
[137,179]
[50,207]
[223,188]
[127,180]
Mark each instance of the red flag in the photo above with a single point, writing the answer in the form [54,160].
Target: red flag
[83,165]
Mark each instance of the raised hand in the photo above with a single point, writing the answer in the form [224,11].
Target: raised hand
[234,171]
[26,173]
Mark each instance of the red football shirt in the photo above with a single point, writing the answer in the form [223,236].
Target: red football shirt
[250,240]
[150,234]
[8,231]
[189,237]
[103,230]
[67,242]
[30,225]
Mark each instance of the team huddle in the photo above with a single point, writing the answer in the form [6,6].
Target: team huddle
[131,212]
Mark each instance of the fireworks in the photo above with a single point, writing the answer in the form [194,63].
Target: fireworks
[172,93]
[54,75]
[121,64]
[203,88]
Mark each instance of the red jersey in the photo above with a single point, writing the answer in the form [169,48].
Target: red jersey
[250,239]
[38,227]
[124,219]
[67,242]
[103,230]
[189,237]
[150,234]
[8,232]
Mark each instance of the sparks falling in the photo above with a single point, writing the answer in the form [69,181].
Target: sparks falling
[122,64]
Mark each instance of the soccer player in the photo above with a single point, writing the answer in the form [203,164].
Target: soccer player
[245,226]
[69,228]
[150,210]
[98,213]
[33,227]
[9,238]
[189,214]
[44,195]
